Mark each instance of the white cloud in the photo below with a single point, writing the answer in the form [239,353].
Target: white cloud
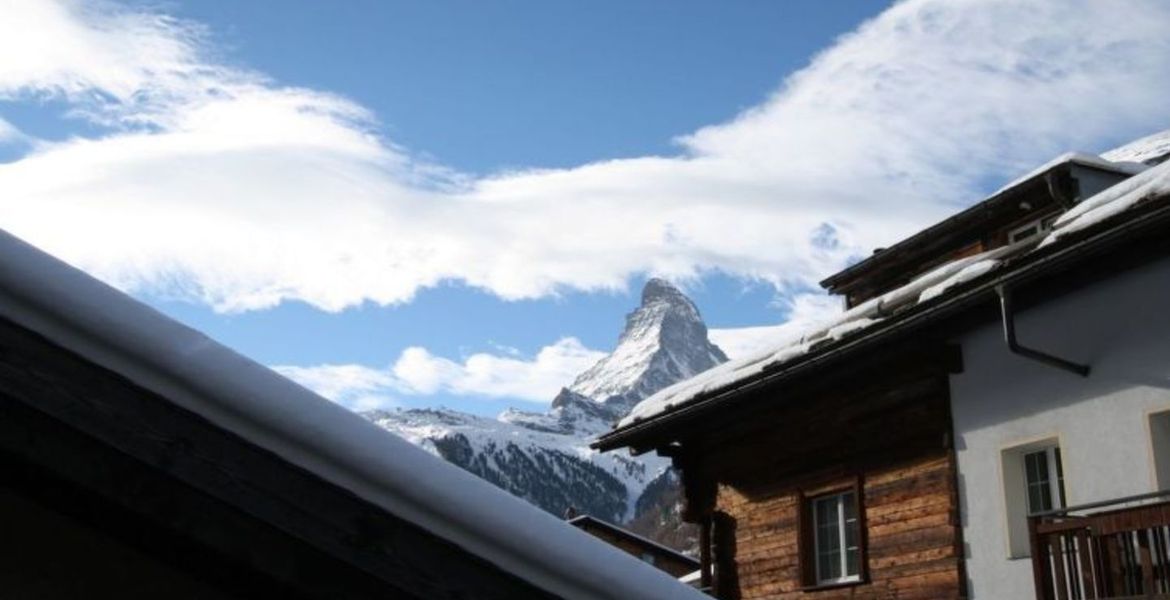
[507,376]
[216,184]
[418,372]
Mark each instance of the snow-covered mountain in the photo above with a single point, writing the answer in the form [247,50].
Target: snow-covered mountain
[664,341]
[545,457]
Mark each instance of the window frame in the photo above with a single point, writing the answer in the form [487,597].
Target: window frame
[1054,482]
[1158,429]
[807,538]
[1042,225]
[1015,486]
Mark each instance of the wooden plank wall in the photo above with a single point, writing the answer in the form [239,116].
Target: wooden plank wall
[894,441]
[911,552]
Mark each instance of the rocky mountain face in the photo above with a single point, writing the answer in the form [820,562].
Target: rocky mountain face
[664,341]
[545,457]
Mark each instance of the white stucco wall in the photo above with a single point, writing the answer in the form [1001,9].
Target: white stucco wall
[1121,328]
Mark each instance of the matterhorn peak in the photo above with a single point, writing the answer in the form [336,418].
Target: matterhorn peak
[664,341]
[657,289]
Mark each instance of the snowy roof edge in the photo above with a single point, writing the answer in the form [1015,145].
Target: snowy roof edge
[1111,202]
[1068,158]
[191,370]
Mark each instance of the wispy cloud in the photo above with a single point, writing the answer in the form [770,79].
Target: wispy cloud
[354,386]
[213,182]
[418,372]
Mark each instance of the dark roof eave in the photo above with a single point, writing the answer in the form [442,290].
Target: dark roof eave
[1086,243]
[956,220]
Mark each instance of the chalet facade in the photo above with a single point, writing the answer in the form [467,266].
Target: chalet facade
[140,459]
[648,551]
[967,428]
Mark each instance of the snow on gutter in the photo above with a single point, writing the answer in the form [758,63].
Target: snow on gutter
[191,370]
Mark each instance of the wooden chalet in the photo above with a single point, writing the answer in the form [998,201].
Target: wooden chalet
[648,551]
[140,459]
[834,465]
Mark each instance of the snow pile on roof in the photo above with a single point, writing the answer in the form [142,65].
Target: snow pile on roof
[1122,166]
[967,273]
[1114,200]
[190,370]
[1147,150]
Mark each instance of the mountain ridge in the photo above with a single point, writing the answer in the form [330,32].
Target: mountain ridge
[544,457]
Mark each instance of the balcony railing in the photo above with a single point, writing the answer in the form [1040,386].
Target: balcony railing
[1108,550]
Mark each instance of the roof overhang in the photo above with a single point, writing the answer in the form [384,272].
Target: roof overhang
[970,218]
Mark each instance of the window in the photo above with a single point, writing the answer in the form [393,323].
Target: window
[836,533]
[1033,482]
[832,538]
[1044,477]
[1036,227]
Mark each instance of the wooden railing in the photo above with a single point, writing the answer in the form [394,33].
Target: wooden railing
[1110,553]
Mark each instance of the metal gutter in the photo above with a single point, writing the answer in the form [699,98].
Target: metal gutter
[1040,262]
[1009,336]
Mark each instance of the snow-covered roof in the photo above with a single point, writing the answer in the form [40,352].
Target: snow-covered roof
[1148,150]
[198,374]
[1112,201]
[1077,158]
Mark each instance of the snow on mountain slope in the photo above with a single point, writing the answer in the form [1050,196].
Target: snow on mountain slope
[664,341]
[545,457]
[552,470]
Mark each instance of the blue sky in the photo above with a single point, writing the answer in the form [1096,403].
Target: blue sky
[422,203]
[483,86]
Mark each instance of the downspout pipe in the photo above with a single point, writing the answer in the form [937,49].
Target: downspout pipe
[1009,336]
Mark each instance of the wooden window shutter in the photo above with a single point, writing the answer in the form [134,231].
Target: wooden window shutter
[805,547]
[862,530]
[723,536]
